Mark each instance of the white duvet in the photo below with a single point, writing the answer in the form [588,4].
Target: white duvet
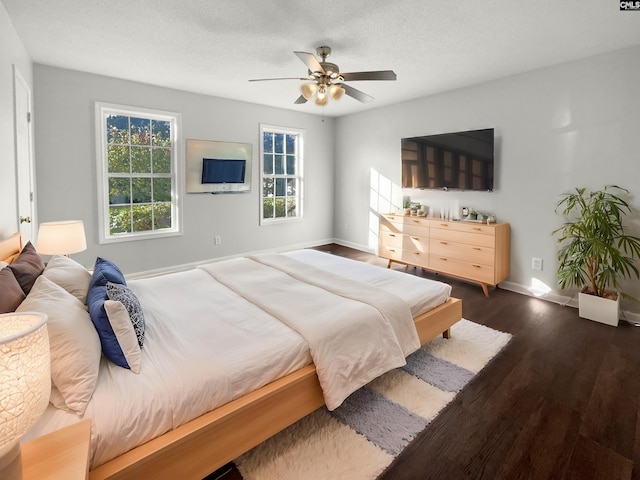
[206,344]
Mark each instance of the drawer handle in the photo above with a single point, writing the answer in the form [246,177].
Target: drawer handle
[476,266]
[415,238]
[443,258]
[476,248]
[416,221]
[391,249]
[444,243]
[444,225]
[392,234]
[477,228]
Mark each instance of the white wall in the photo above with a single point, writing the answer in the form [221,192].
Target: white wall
[66,170]
[576,124]
[12,53]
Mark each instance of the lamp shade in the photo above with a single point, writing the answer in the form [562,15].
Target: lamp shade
[61,238]
[308,89]
[25,379]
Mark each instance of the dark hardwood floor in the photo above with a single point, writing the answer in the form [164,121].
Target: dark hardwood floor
[561,401]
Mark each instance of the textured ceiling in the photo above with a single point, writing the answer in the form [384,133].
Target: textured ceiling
[214,47]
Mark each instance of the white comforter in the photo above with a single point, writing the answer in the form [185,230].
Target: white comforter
[206,345]
[355,332]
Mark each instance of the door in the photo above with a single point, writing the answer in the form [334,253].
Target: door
[24,157]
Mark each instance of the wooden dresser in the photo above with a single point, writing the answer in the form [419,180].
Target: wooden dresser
[472,251]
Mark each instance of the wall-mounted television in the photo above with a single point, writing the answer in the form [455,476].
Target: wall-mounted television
[218,167]
[449,161]
[223,170]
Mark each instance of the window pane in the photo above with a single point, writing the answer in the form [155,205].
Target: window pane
[119,191]
[279,165]
[281,207]
[281,187]
[162,215]
[291,186]
[267,208]
[140,160]
[291,207]
[117,129]
[268,163]
[161,160]
[291,164]
[162,190]
[140,131]
[291,144]
[141,215]
[119,220]
[279,143]
[267,187]
[267,143]
[161,133]
[118,159]
[141,190]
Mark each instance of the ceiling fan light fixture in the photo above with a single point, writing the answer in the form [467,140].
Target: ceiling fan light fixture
[336,92]
[308,89]
[322,98]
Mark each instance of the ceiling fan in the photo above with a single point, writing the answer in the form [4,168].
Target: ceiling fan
[325,79]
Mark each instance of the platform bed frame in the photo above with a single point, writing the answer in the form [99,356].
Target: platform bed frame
[199,447]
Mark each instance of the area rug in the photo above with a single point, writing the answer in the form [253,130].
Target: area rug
[362,437]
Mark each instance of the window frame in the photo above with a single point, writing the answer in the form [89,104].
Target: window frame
[300,133]
[102,110]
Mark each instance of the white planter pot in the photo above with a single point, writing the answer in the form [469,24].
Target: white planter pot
[599,309]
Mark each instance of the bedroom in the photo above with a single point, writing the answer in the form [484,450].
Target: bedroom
[558,126]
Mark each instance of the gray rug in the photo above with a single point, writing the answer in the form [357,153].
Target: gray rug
[361,437]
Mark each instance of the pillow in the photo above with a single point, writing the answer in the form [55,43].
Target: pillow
[106,271]
[11,294]
[124,334]
[3,264]
[70,275]
[74,343]
[124,295]
[27,267]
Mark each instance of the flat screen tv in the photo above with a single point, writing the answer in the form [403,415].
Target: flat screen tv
[219,170]
[449,161]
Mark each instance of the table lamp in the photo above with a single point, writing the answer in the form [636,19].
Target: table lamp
[25,383]
[61,238]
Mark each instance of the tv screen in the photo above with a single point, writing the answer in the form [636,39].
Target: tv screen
[459,160]
[218,170]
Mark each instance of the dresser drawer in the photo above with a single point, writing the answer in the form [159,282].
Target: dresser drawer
[405,242]
[469,227]
[469,270]
[463,251]
[477,239]
[412,257]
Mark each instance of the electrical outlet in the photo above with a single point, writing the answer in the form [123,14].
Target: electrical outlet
[536,263]
[217,240]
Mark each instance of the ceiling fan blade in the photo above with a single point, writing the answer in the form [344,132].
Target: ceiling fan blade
[376,75]
[310,61]
[281,78]
[357,94]
[300,99]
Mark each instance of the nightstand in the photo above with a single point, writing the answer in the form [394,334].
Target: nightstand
[63,454]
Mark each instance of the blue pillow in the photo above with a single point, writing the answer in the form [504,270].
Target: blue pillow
[105,271]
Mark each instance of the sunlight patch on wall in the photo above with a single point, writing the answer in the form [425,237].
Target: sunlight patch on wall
[384,197]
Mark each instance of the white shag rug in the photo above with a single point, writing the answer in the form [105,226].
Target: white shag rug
[359,440]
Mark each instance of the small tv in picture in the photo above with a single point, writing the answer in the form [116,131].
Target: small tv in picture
[219,170]
[449,161]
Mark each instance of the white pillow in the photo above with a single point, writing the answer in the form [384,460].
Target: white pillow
[73,340]
[124,332]
[70,275]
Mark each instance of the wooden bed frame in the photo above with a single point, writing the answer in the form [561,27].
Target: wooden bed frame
[199,447]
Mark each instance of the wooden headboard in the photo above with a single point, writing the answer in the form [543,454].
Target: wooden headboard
[10,247]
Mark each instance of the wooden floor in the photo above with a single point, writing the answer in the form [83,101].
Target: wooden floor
[560,402]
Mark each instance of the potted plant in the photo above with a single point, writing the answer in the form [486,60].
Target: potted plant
[595,250]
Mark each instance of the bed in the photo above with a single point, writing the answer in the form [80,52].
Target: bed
[263,392]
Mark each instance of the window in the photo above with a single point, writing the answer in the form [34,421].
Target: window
[137,173]
[281,174]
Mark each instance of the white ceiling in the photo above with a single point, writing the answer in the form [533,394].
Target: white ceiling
[214,47]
